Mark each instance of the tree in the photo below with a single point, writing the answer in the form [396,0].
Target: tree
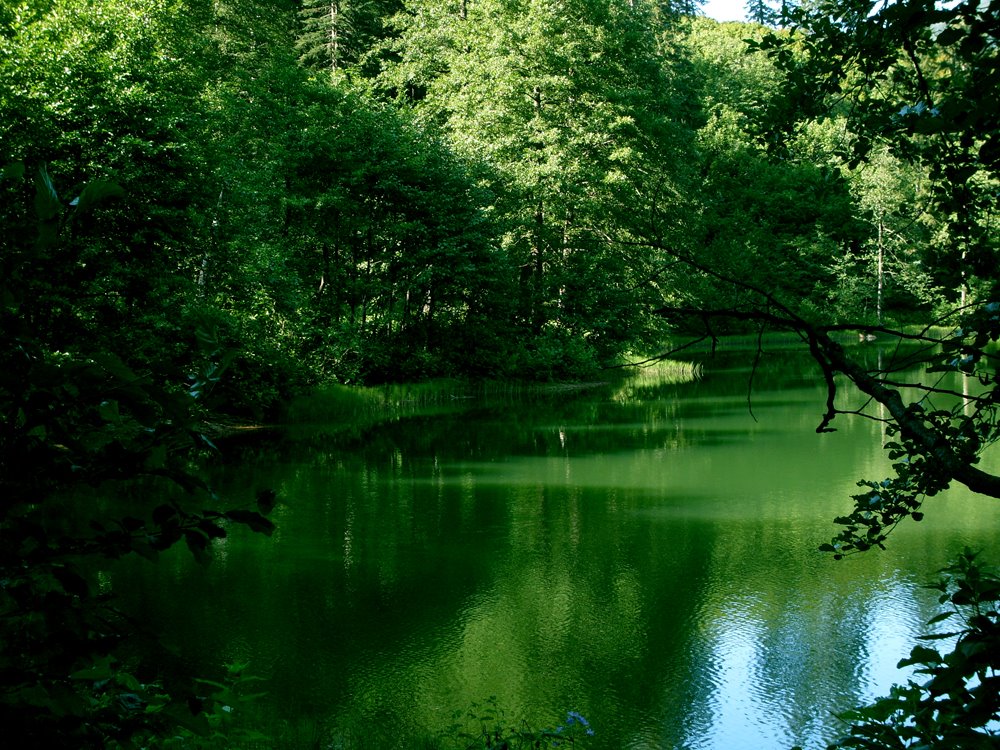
[761,12]
[903,53]
[335,35]
[784,219]
[77,428]
[104,91]
[889,274]
[918,79]
[943,445]
[325,25]
[909,79]
[570,117]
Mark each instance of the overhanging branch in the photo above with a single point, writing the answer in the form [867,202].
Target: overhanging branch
[832,359]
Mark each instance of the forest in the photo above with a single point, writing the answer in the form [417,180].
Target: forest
[209,206]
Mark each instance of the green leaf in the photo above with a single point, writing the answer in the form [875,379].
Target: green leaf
[47,204]
[183,718]
[253,520]
[939,617]
[211,530]
[920,655]
[236,668]
[266,500]
[13,171]
[99,670]
[128,681]
[109,411]
[95,193]
[211,683]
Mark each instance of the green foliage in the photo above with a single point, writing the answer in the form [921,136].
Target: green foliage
[220,710]
[954,702]
[762,12]
[78,428]
[486,726]
[918,78]
[336,34]
[781,205]
[571,119]
[917,438]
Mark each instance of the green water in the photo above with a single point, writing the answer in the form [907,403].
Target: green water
[641,552]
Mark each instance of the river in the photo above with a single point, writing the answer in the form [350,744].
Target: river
[643,552]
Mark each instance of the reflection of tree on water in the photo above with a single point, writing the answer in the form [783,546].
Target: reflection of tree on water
[648,563]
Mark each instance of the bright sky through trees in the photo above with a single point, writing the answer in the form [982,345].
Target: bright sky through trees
[725,10]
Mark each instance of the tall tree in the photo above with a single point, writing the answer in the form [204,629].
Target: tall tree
[918,78]
[336,35]
[571,113]
[913,75]
[761,12]
[783,218]
[326,27]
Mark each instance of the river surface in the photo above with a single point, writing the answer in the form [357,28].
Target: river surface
[642,552]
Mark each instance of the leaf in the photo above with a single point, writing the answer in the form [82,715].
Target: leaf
[252,520]
[13,171]
[211,530]
[197,542]
[71,581]
[99,670]
[95,193]
[164,513]
[47,204]
[266,500]
[939,617]
[950,35]
[236,668]
[211,683]
[183,718]
[128,681]
[109,411]
[920,655]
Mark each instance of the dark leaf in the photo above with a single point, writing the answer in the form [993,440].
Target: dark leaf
[251,519]
[163,513]
[197,542]
[266,500]
[13,171]
[211,530]
[95,193]
[71,581]
[920,655]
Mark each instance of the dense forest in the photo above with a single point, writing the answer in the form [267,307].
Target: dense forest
[390,192]
[209,205]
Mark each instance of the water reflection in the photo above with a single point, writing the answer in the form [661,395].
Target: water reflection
[647,559]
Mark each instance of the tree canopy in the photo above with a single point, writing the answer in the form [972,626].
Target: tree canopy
[297,193]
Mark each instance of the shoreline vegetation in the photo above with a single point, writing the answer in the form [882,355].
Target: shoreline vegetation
[211,207]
